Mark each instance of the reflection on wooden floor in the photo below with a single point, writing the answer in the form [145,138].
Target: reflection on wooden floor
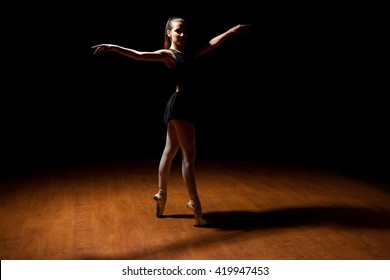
[252,211]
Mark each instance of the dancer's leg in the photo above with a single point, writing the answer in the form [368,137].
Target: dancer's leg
[185,132]
[170,150]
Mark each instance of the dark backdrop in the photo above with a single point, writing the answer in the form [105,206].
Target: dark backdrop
[303,87]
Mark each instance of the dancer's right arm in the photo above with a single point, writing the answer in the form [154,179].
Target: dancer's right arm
[162,55]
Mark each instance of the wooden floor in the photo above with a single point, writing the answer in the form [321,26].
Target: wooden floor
[252,211]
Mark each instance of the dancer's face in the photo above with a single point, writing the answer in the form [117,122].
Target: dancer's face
[178,33]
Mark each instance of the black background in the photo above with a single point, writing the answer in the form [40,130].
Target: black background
[304,86]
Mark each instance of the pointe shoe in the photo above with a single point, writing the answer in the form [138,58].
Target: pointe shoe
[161,199]
[197,210]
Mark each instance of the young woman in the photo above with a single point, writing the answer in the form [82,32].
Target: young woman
[180,111]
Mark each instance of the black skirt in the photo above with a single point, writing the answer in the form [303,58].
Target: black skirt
[180,106]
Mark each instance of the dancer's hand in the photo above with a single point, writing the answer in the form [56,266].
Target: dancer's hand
[101,48]
[241,29]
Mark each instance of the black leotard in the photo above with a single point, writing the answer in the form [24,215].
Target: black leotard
[181,104]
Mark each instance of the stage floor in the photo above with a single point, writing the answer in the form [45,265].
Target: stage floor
[252,210]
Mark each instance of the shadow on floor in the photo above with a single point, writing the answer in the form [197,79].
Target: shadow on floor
[301,216]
